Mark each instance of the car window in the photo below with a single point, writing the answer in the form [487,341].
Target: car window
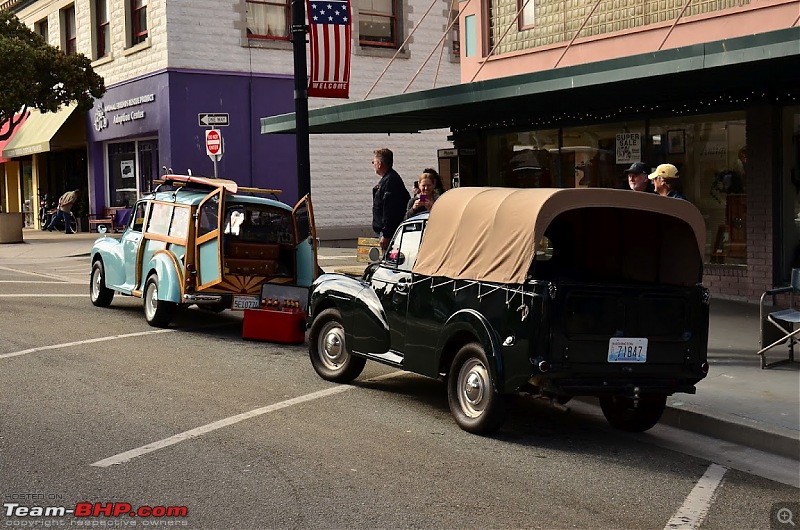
[403,250]
[160,217]
[209,218]
[180,222]
[137,219]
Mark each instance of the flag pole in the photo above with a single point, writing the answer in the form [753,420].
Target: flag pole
[301,98]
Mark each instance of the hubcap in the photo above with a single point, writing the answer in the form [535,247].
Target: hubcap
[473,387]
[96,284]
[332,351]
[151,300]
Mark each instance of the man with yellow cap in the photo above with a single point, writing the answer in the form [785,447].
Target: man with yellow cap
[665,180]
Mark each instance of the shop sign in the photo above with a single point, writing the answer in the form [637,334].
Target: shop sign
[629,148]
[101,119]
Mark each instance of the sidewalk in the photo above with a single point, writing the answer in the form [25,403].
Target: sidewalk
[738,401]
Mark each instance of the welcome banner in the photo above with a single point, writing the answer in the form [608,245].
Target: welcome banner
[330,30]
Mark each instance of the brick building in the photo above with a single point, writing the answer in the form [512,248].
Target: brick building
[165,63]
[570,93]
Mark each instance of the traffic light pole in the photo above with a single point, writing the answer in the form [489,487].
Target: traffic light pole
[301,98]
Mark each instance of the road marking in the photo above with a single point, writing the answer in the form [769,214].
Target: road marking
[43,275]
[87,341]
[695,508]
[205,429]
[26,281]
[43,295]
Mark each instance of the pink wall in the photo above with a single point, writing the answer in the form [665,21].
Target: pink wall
[758,17]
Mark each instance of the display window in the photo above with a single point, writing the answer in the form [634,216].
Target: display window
[709,152]
[132,168]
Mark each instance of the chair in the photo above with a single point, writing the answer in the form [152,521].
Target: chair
[782,323]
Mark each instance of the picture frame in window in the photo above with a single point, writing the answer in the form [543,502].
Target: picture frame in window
[676,142]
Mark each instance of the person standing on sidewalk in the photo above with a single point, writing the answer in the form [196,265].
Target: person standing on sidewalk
[666,181]
[65,203]
[637,178]
[389,197]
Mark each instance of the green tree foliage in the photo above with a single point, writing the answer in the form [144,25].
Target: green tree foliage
[38,75]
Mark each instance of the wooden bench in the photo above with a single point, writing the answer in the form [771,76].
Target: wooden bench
[106,219]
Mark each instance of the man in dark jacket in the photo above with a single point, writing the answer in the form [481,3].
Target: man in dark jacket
[389,197]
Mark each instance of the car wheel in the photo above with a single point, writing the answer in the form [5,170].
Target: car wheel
[623,414]
[328,352]
[474,403]
[101,295]
[158,313]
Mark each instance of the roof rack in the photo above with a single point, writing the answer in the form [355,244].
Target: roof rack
[195,182]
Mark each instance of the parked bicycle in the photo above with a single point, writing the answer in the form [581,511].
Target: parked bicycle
[46,210]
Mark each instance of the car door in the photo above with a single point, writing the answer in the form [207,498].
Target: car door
[392,280]
[305,242]
[131,240]
[208,239]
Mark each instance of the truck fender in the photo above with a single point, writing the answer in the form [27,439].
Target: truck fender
[457,331]
[170,280]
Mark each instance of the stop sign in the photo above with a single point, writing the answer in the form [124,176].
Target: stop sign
[213,142]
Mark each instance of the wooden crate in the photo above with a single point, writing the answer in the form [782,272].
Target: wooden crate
[364,244]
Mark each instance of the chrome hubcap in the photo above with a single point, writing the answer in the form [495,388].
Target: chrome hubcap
[151,300]
[331,346]
[473,387]
[96,284]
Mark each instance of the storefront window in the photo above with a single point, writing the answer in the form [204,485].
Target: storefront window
[710,153]
[791,193]
[122,173]
[132,168]
[523,160]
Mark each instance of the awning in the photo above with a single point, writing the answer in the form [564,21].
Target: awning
[35,135]
[708,76]
[3,129]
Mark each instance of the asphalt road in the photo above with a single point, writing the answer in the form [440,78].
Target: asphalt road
[100,412]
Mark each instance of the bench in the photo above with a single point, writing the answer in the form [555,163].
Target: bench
[106,219]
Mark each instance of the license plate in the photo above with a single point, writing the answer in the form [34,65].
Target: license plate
[246,302]
[627,350]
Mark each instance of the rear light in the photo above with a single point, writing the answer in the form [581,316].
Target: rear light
[191,278]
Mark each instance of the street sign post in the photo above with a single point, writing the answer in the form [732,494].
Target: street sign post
[213,119]
[214,147]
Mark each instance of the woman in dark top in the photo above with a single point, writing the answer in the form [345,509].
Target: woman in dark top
[424,201]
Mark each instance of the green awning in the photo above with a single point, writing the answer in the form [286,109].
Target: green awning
[703,76]
[35,134]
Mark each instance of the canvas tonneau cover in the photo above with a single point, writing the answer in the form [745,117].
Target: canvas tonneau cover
[490,234]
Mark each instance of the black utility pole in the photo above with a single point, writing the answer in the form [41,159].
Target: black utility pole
[301,97]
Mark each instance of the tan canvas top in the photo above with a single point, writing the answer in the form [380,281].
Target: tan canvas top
[489,234]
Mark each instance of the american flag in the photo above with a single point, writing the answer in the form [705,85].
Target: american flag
[330,48]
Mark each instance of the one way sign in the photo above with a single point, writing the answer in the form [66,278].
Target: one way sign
[207,119]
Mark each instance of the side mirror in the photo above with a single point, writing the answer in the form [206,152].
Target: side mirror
[102,229]
[374,254]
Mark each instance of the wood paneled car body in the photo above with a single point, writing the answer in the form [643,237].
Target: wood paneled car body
[203,241]
[558,292]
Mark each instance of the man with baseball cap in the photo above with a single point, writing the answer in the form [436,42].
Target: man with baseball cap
[637,177]
[665,179]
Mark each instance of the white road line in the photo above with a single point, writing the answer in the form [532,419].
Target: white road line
[37,282]
[41,274]
[78,343]
[205,429]
[84,295]
[695,508]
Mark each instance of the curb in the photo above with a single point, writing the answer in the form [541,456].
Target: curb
[729,431]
